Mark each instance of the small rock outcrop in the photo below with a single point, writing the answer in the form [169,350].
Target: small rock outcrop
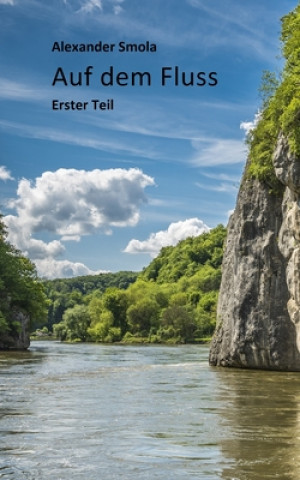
[20,338]
[258,318]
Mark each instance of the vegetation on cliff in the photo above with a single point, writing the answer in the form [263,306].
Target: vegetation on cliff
[173,300]
[281,106]
[20,291]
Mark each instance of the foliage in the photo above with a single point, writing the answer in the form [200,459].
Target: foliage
[20,289]
[281,107]
[173,300]
[67,292]
[184,260]
[76,321]
[269,84]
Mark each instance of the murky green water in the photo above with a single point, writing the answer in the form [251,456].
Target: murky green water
[96,412]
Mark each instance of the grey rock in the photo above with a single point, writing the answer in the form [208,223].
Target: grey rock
[258,315]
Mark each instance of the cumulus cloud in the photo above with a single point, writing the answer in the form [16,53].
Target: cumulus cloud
[71,203]
[20,235]
[218,152]
[5,174]
[249,126]
[177,231]
[50,268]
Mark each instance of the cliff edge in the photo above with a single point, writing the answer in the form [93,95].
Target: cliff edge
[258,316]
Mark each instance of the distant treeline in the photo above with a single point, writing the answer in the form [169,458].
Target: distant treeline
[67,292]
[173,300]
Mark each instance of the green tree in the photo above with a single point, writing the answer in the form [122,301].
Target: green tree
[160,307]
[142,316]
[178,317]
[20,289]
[267,89]
[102,330]
[115,301]
[75,324]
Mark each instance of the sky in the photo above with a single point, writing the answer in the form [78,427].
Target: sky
[91,190]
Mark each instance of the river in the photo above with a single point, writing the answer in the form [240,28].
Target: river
[100,412]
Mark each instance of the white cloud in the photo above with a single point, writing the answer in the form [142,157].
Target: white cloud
[7,2]
[218,152]
[12,90]
[71,203]
[245,29]
[50,268]
[117,9]
[88,140]
[243,20]
[90,6]
[5,174]
[249,126]
[223,176]
[222,187]
[20,235]
[177,231]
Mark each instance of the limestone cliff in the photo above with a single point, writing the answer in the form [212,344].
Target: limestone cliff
[258,323]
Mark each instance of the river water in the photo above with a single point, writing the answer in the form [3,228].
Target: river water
[98,412]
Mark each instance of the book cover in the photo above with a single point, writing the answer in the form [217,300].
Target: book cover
[123,123]
[123,127]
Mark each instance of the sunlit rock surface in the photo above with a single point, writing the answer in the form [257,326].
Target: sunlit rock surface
[258,322]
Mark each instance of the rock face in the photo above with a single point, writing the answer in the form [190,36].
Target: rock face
[258,323]
[20,340]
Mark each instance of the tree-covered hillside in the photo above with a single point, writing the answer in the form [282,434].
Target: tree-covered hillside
[20,292]
[67,292]
[173,299]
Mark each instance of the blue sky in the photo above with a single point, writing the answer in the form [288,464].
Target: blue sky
[94,190]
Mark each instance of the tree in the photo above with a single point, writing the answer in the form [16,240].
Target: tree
[75,324]
[143,315]
[160,309]
[267,89]
[115,301]
[20,290]
[178,317]
[101,330]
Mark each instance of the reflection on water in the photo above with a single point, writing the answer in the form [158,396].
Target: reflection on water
[262,417]
[111,412]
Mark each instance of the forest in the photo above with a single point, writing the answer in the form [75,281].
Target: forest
[173,300]
[20,291]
